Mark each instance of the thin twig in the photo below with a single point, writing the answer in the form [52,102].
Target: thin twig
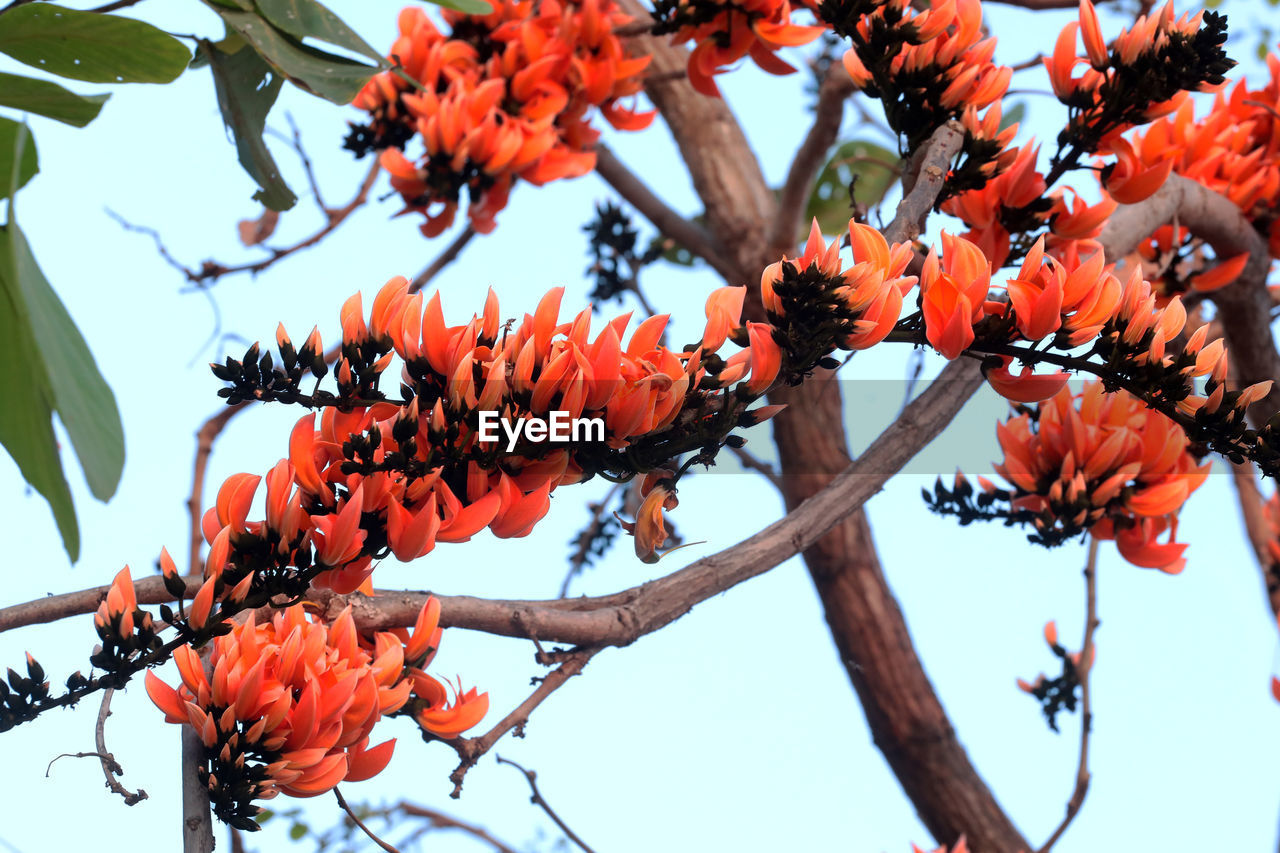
[588,535]
[448,256]
[688,234]
[755,463]
[1083,671]
[296,142]
[110,767]
[470,750]
[440,820]
[532,778]
[358,822]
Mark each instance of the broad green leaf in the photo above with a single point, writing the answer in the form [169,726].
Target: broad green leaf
[467,7]
[26,401]
[90,46]
[81,396]
[871,168]
[26,411]
[9,131]
[324,74]
[305,19]
[46,98]
[247,89]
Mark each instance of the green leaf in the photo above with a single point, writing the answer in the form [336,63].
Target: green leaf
[9,132]
[81,396]
[871,168]
[330,77]
[26,412]
[26,402]
[305,19]
[1013,115]
[89,46]
[468,7]
[247,89]
[46,98]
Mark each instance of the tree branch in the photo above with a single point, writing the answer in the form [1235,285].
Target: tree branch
[672,225]
[1083,670]
[359,823]
[470,750]
[810,157]
[1244,304]
[448,256]
[110,767]
[532,778]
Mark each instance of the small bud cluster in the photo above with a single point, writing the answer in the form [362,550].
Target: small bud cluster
[1059,693]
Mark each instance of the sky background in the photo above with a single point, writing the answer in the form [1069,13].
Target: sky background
[735,728]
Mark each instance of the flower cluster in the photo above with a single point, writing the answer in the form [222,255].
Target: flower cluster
[287,706]
[816,306]
[503,96]
[379,476]
[725,31]
[1146,73]
[927,67]
[1093,462]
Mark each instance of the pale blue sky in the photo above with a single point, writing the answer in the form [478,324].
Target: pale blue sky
[733,729]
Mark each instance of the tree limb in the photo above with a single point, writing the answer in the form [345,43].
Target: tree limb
[672,225]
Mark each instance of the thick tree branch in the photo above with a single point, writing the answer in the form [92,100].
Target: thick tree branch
[811,156]
[725,173]
[197,823]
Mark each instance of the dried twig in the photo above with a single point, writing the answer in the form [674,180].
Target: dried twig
[1083,670]
[587,536]
[532,778]
[110,767]
[755,463]
[471,749]
[358,822]
[440,820]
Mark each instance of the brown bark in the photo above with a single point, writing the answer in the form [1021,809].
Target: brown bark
[905,716]
[907,721]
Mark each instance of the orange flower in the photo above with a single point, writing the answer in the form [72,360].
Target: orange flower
[1105,463]
[650,529]
[952,294]
[288,706]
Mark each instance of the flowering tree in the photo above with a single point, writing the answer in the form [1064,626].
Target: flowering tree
[1135,254]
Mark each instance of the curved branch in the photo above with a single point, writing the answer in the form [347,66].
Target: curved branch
[621,618]
[672,225]
[1244,304]
[810,157]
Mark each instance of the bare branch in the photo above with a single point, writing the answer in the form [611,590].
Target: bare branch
[922,182]
[1083,669]
[532,778]
[110,767]
[588,535]
[835,89]
[441,820]
[448,256]
[197,824]
[358,822]
[470,750]
[205,436]
[755,463]
[672,225]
